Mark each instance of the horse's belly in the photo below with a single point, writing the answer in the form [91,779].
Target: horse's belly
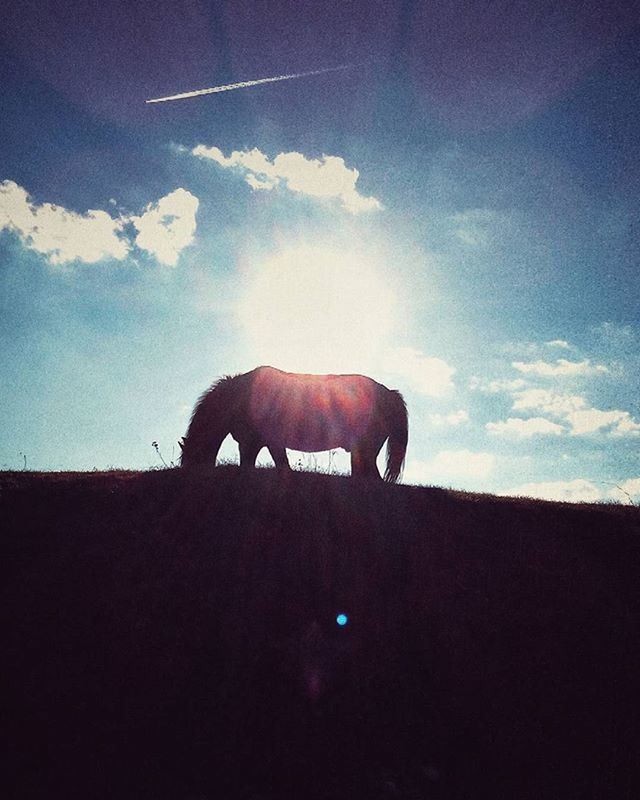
[314,444]
[309,435]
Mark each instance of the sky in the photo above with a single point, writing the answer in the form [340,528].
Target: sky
[453,212]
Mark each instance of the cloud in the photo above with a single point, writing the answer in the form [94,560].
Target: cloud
[453,419]
[450,464]
[574,409]
[525,428]
[559,343]
[592,420]
[165,228]
[63,236]
[425,374]
[553,403]
[474,227]
[497,386]
[618,336]
[562,367]
[59,234]
[576,491]
[325,177]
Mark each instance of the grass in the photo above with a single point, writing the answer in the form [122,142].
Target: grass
[167,636]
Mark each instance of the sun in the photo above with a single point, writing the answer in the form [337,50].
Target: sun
[318,309]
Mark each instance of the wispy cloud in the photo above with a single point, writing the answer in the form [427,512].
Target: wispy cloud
[475,227]
[63,236]
[553,403]
[496,386]
[562,367]
[525,428]
[326,177]
[453,419]
[245,84]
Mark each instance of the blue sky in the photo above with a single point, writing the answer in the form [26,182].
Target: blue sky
[455,214]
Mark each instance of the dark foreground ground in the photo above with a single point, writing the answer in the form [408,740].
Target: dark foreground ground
[174,638]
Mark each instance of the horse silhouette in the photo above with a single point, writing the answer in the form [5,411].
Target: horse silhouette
[270,408]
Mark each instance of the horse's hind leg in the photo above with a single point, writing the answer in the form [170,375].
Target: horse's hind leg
[279,456]
[363,462]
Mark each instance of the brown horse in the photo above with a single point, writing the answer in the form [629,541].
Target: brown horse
[270,408]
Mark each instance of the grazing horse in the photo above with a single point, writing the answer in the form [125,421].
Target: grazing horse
[270,408]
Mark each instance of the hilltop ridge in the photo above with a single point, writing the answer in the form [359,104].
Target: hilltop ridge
[176,636]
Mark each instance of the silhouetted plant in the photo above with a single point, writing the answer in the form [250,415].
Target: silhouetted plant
[157,449]
[620,489]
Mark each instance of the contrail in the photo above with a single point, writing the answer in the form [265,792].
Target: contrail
[243,84]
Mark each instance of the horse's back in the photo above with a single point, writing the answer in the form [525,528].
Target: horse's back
[312,412]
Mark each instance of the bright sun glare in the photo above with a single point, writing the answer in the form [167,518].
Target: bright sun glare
[318,309]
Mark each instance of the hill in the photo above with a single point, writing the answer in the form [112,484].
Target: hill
[174,637]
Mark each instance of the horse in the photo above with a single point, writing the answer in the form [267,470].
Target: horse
[277,410]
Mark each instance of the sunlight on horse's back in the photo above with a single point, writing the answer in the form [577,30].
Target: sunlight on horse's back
[312,412]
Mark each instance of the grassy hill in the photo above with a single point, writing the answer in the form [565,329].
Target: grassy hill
[173,637]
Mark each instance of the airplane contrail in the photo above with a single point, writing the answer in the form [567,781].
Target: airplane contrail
[243,84]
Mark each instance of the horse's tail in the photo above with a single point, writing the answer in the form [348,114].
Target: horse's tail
[398,422]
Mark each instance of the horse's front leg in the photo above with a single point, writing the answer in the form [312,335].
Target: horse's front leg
[279,456]
[249,450]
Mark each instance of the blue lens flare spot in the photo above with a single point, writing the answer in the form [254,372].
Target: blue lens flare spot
[342,619]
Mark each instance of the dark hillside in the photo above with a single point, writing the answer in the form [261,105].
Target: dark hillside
[165,637]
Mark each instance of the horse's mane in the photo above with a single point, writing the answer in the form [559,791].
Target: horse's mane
[210,413]
[223,384]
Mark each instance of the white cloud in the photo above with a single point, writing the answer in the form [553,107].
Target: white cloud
[592,420]
[454,418]
[62,236]
[562,367]
[559,343]
[450,465]
[59,234]
[576,491]
[574,409]
[525,428]
[165,228]
[425,374]
[557,405]
[497,386]
[325,177]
